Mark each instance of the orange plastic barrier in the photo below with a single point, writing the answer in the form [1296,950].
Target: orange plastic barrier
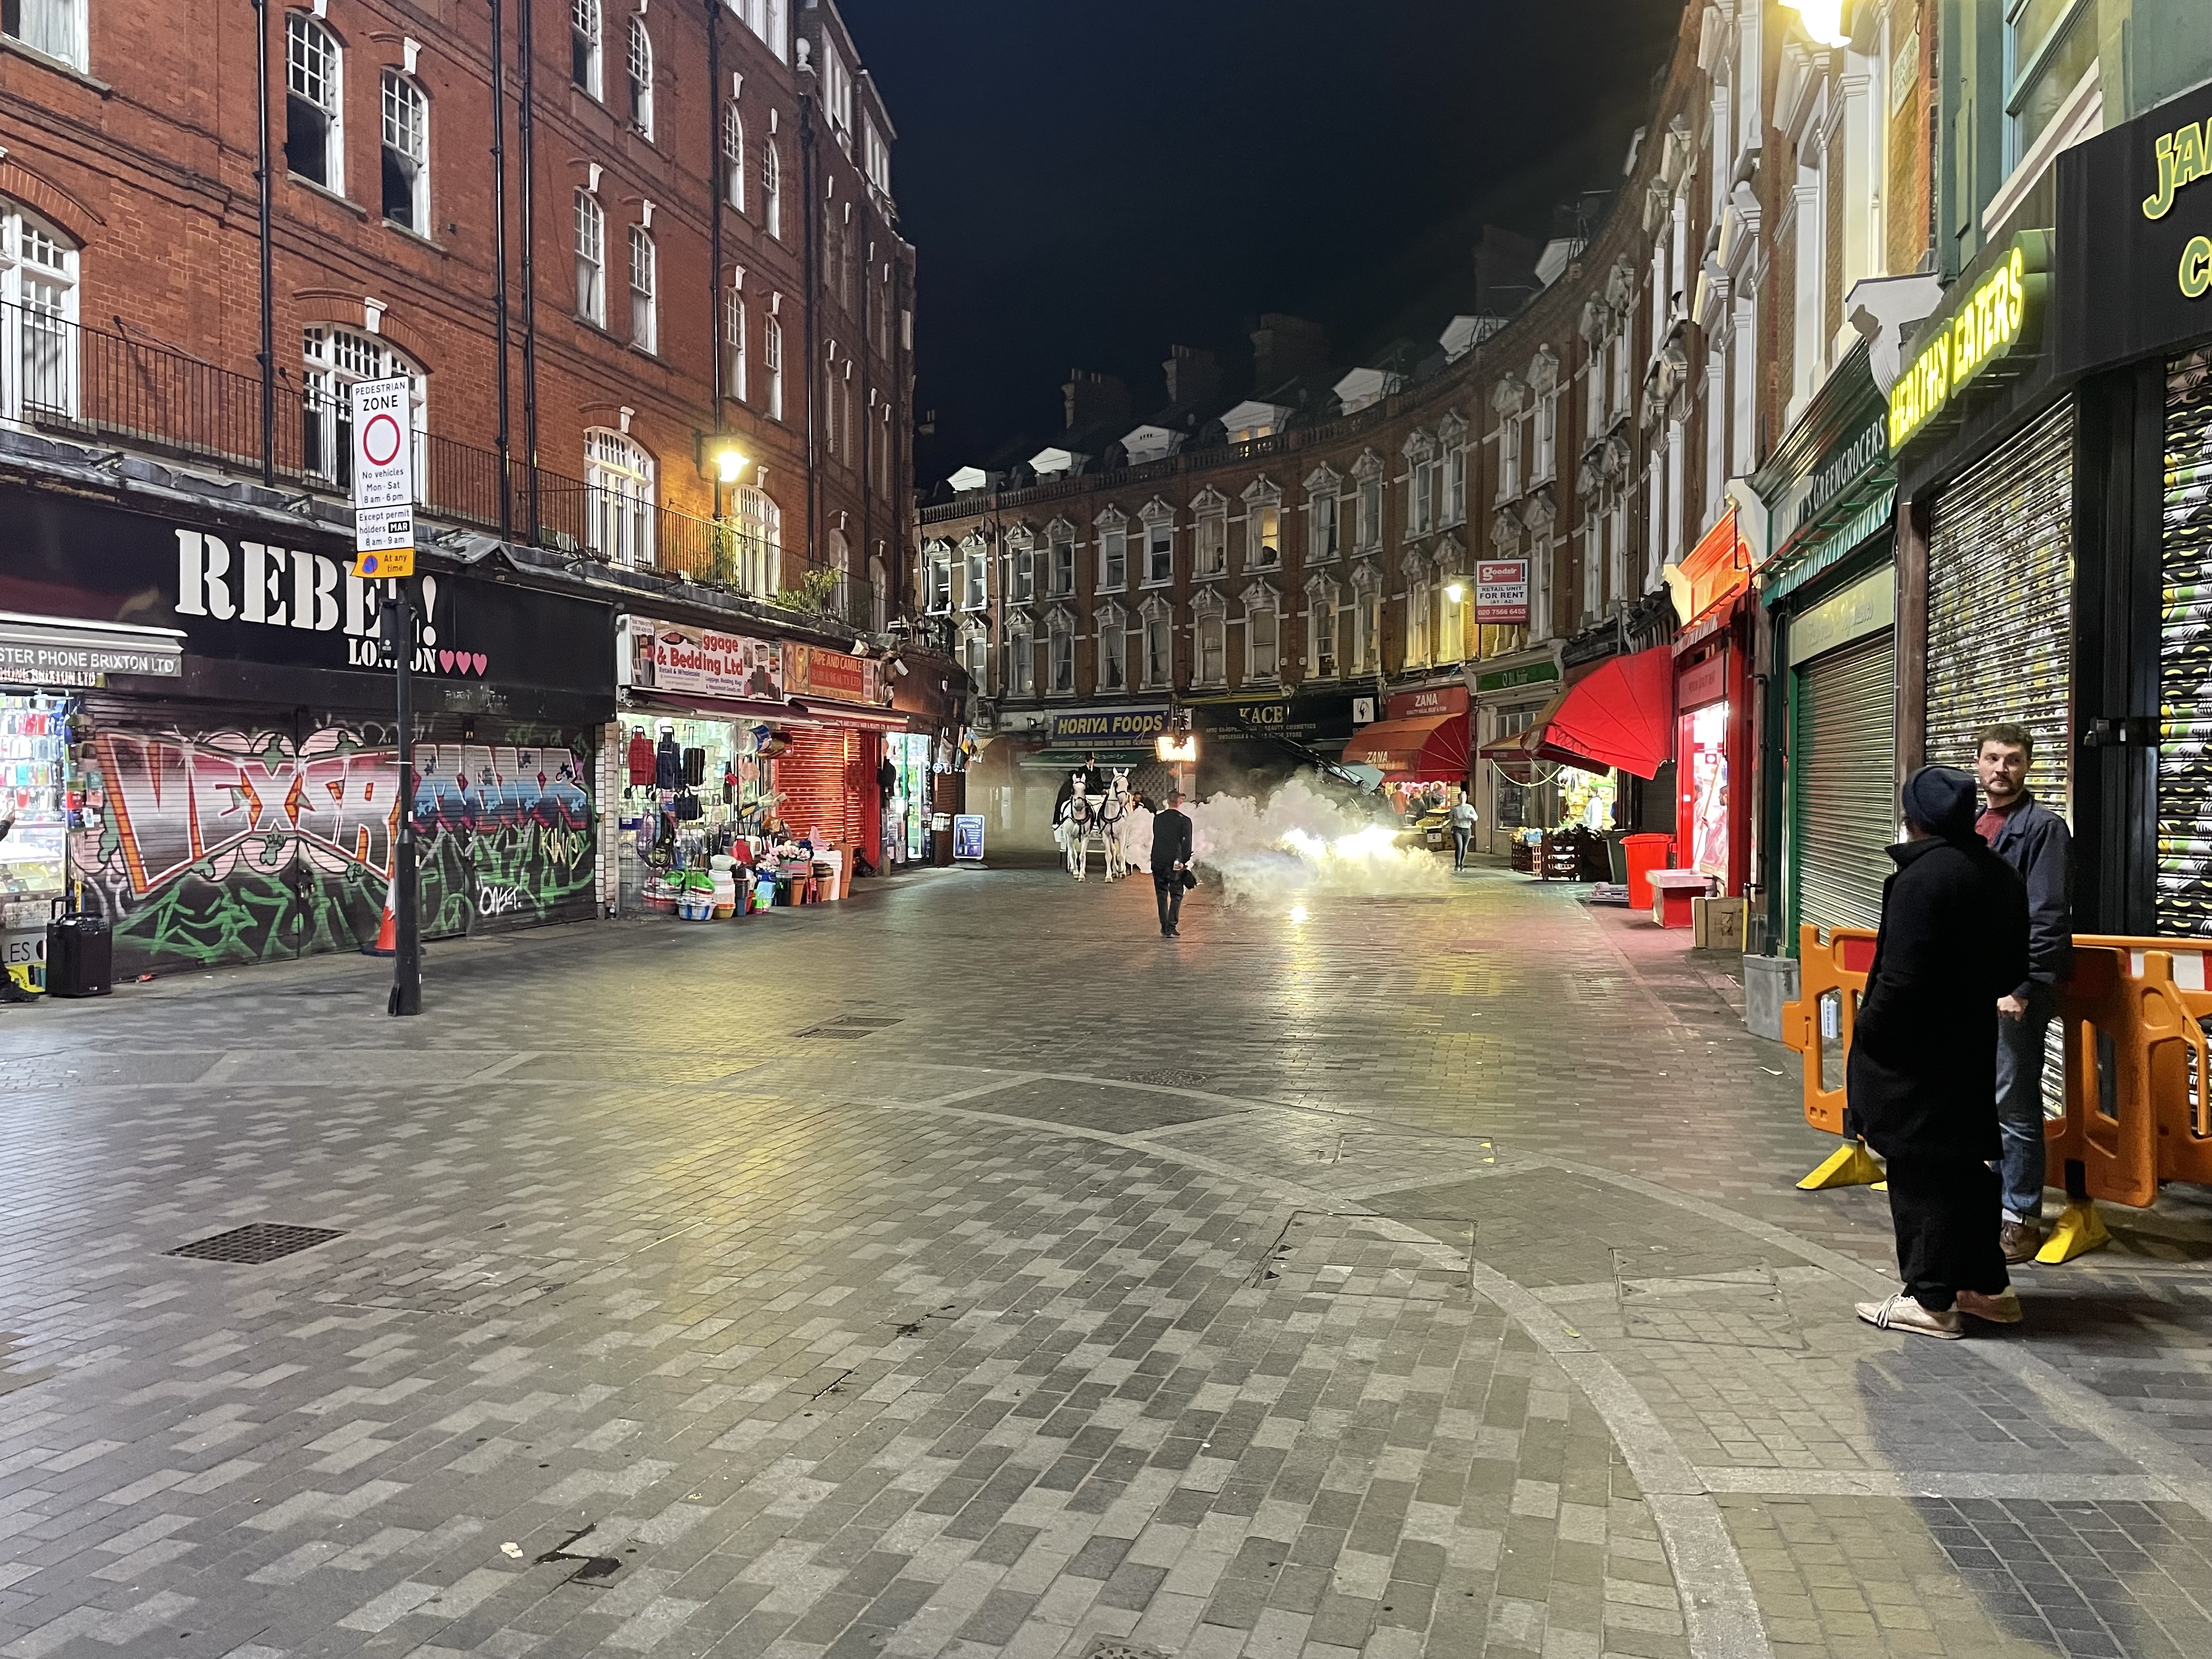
[1839,967]
[2138,1064]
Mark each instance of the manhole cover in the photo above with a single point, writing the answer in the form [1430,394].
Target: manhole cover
[260,1241]
[1107,1648]
[1169,1079]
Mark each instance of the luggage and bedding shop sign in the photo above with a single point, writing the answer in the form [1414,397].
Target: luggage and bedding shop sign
[703,661]
[237,593]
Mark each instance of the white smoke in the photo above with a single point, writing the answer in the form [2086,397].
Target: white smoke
[1300,840]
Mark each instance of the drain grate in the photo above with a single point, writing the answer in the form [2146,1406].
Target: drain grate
[1170,1078]
[252,1245]
[848,1026]
[1106,1647]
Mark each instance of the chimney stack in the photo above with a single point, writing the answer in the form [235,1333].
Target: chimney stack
[1285,347]
[1094,398]
[1193,376]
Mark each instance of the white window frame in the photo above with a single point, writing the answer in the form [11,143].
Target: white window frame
[1209,535]
[406,128]
[1263,601]
[975,574]
[1455,503]
[1420,484]
[1419,608]
[1060,542]
[590,259]
[758,522]
[878,156]
[315,75]
[736,366]
[1113,555]
[1263,526]
[1545,466]
[1364,656]
[1060,654]
[331,359]
[1450,643]
[772,189]
[1021,658]
[772,363]
[937,567]
[1156,648]
[1021,566]
[618,498]
[56,29]
[1113,649]
[1158,543]
[733,155]
[976,655]
[637,65]
[1324,517]
[1324,658]
[644,290]
[836,87]
[1209,630]
[586,47]
[40,271]
[1367,503]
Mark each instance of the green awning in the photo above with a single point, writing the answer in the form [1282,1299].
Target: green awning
[1875,518]
[1071,760]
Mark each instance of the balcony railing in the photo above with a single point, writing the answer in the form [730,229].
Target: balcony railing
[64,380]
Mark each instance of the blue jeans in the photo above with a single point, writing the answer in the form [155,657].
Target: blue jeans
[2020,1106]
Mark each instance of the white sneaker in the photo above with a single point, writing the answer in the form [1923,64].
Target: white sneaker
[2002,1309]
[1902,1312]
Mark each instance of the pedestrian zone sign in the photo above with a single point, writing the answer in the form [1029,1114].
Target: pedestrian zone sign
[383,477]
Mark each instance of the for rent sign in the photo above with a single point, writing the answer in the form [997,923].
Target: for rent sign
[1501,590]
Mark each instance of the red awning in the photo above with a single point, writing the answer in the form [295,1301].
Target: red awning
[1621,714]
[1430,749]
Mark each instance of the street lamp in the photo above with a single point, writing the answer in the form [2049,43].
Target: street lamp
[1823,19]
[1454,591]
[729,462]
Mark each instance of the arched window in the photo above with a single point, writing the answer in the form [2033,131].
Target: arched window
[618,498]
[38,325]
[772,189]
[332,359]
[640,79]
[314,102]
[733,343]
[55,28]
[590,259]
[733,155]
[879,595]
[644,287]
[760,541]
[772,364]
[584,46]
[840,570]
[406,154]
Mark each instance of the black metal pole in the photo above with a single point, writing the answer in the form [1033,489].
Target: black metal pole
[526,131]
[498,257]
[810,227]
[406,912]
[714,107]
[268,280]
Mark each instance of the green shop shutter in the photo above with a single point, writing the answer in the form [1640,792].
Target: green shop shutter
[2001,604]
[2185,755]
[1842,808]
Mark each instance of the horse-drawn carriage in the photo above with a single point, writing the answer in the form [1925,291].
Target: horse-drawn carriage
[1104,822]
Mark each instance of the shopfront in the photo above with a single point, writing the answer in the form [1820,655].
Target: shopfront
[1712,793]
[1828,760]
[1511,794]
[728,741]
[1248,745]
[233,799]
[1121,738]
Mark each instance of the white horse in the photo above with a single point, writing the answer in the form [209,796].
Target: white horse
[1114,819]
[1074,828]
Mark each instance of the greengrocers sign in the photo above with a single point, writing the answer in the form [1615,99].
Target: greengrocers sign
[1986,334]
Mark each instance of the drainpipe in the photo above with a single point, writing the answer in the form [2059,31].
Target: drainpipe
[268,284]
[715,221]
[498,257]
[810,183]
[526,129]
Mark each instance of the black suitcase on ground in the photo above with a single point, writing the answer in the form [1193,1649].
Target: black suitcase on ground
[80,957]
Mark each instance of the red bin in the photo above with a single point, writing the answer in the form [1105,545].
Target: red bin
[1646,853]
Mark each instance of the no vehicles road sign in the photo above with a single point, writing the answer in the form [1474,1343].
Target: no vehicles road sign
[384,473]
[390,562]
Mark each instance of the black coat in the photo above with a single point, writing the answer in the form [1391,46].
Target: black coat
[1171,843]
[1922,1070]
[2035,841]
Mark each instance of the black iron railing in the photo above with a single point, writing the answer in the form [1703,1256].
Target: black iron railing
[62,379]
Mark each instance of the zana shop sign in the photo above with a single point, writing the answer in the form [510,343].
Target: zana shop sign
[1987,335]
[2135,237]
[241,593]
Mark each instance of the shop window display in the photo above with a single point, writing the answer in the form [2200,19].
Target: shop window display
[34,783]
[1705,791]
[692,791]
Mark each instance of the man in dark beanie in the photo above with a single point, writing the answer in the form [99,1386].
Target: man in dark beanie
[1921,1075]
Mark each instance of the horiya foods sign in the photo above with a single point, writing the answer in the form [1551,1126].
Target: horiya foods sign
[229,591]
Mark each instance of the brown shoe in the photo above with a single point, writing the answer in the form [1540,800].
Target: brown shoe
[2002,1309]
[2018,1240]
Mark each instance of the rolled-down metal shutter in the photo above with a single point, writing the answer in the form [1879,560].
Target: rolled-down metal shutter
[1843,799]
[2185,755]
[2000,603]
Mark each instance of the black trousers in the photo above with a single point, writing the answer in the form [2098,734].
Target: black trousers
[1168,890]
[1946,1212]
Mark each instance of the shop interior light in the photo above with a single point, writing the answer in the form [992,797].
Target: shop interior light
[1454,591]
[728,464]
[1823,19]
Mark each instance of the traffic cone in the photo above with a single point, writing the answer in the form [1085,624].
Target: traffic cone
[387,930]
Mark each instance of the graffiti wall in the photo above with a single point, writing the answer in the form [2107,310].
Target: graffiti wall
[241,844]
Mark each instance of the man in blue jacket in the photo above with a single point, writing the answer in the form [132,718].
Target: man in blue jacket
[2034,840]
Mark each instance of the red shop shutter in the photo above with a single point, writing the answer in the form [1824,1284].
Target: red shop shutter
[815,776]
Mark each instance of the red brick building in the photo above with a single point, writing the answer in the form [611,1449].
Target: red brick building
[683,212]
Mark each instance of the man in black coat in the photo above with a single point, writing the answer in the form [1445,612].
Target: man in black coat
[1923,1069]
[1171,855]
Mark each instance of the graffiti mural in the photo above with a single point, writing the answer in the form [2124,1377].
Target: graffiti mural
[237,845]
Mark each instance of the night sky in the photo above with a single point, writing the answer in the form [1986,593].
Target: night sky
[1088,182]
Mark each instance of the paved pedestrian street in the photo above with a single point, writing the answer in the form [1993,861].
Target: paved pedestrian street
[965,1270]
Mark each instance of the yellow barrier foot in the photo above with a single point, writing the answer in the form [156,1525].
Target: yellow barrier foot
[1848,1165]
[2077,1231]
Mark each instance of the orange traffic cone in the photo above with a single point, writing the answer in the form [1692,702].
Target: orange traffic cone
[387,930]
